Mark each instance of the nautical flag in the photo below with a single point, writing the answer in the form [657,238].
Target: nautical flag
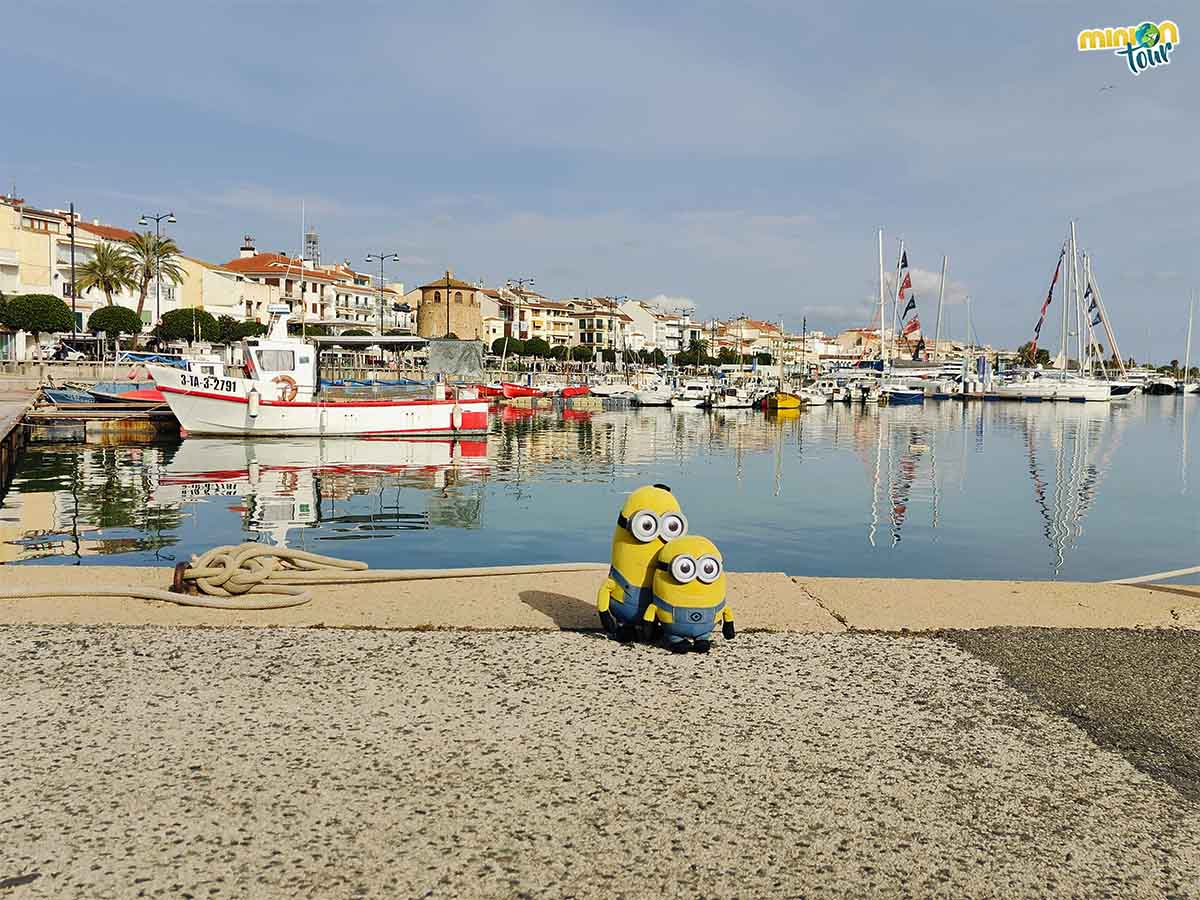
[920,348]
[905,284]
[1088,292]
[904,260]
[1092,305]
[1045,306]
[1096,321]
[912,326]
[912,304]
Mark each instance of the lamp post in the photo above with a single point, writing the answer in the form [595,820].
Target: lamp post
[73,312]
[159,218]
[383,258]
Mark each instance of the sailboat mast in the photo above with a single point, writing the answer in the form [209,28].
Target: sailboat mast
[896,300]
[937,338]
[1079,317]
[1187,353]
[1112,338]
[1062,348]
[882,303]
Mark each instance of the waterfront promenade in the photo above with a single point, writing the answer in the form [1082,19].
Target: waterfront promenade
[824,752]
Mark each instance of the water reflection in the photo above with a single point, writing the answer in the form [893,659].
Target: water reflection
[945,490]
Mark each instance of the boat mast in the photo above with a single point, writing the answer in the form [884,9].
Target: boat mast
[1187,353]
[1079,316]
[937,339]
[1062,350]
[896,300]
[1112,338]
[882,304]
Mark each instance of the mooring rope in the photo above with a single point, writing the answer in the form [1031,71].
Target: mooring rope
[1157,576]
[218,578]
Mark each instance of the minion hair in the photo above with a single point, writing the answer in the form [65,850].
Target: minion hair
[664,487]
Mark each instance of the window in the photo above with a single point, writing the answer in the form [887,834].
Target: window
[458,296]
[437,296]
[276,360]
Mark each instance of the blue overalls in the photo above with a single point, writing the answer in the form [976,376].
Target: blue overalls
[634,599]
[688,622]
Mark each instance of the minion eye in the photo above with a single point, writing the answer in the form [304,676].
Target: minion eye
[683,568]
[644,526]
[673,525]
[709,569]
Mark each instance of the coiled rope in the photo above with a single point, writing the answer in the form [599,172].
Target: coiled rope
[220,577]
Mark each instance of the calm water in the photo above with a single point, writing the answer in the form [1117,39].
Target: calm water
[993,490]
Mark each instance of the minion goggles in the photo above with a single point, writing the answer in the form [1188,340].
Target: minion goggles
[684,568]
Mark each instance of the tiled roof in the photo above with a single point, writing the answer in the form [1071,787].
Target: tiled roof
[455,283]
[108,232]
[275,264]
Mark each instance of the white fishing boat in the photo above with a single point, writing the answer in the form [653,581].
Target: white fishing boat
[280,395]
[735,397]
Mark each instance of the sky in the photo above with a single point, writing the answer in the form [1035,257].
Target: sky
[740,157]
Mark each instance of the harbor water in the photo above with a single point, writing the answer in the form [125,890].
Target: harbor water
[945,490]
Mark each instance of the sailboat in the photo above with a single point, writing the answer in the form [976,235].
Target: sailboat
[1038,385]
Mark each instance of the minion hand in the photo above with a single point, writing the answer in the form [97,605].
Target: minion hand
[727,630]
[609,623]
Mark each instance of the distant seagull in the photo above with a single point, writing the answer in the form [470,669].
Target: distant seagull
[1107,87]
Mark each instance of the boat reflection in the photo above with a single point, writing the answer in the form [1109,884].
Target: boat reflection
[284,484]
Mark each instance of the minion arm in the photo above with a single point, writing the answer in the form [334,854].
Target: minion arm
[727,629]
[602,600]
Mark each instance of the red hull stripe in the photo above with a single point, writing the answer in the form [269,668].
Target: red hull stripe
[335,404]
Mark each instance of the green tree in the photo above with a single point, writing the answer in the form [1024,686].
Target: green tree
[1027,357]
[498,346]
[188,325]
[301,328]
[658,358]
[38,312]
[560,352]
[234,330]
[109,271]
[764,358]
[698,347]
[727,356]
[581,353]
[608,355]
[150,257]
[516,347]
[114,321]
[537,347]
[1175,366]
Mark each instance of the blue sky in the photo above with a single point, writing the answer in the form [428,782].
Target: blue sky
[738,155]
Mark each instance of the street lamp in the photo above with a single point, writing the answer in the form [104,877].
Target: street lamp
[383,258]
[159,218]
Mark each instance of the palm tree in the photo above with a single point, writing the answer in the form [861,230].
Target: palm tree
[151,256]
[110,270]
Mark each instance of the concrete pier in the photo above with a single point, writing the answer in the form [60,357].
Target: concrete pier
[459,738]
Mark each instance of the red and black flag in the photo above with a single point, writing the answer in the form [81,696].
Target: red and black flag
[1046,305]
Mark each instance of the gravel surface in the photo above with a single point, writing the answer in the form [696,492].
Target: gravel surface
[262,763]
[1137,692]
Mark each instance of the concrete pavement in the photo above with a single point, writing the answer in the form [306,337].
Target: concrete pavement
[284,762]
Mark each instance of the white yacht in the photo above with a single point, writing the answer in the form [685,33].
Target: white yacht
[693,394]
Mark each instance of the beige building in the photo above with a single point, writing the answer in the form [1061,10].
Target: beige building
[450,306]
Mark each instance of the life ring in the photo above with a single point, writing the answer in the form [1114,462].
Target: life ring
[287,387]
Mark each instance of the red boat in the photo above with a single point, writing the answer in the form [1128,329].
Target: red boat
[512,391]
[490,392]
[579,390]
[149,395]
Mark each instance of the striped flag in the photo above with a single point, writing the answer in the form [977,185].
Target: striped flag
[1046,305]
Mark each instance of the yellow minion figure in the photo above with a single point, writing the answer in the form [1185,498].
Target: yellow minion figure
[649,519]
[689,594]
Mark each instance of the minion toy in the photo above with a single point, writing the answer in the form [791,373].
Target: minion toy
[689,595]
[649,519]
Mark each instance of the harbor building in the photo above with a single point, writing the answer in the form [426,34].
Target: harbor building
[449,306]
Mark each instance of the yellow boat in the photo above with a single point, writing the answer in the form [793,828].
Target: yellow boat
[783,400]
